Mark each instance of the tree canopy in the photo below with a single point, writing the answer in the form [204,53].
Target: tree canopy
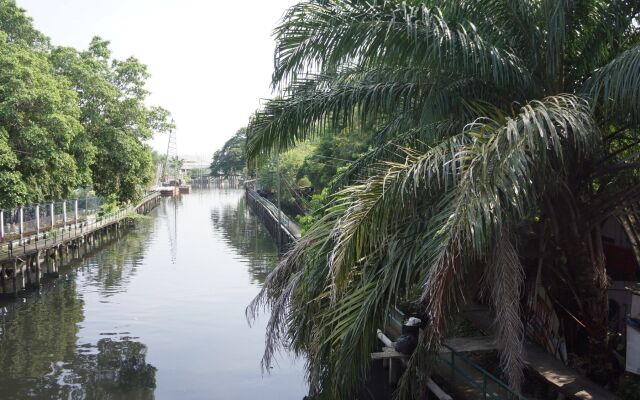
[506,133]
[231,158]
[70,119]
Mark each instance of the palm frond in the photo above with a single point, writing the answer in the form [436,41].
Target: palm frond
[324,35]
[503,279]
[318,102]
[615,88]
[324,103]
[606,30]
[392,151]
[467,189]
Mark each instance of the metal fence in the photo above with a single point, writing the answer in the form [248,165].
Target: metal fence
[473,375]
[59,234]
[276,216]
[88,219]
[28,220]
[463,369]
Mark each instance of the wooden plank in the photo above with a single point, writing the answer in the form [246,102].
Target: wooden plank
[564,379]
[388,353]
[437,391]
[470,344]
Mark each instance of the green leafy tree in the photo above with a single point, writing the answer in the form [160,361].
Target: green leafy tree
[39,122]
[508,132]
[117,122]
[231,159]
[332,153]
[18,27]
[70,120]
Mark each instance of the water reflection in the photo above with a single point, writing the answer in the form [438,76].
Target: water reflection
[158,313]
[113,265]
[169,208]
[40,356]
[247,236]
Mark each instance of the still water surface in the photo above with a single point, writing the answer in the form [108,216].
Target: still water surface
[157,314]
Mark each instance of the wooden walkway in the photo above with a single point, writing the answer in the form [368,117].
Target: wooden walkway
[18,248]
[562,378]
[24,261]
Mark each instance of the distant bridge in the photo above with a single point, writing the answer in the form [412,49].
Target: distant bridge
[218,181]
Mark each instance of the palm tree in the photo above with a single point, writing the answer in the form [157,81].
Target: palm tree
[507,132]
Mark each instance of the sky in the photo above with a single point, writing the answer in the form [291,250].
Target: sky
[210,61]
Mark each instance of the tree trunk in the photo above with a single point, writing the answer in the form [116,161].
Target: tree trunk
[586,266]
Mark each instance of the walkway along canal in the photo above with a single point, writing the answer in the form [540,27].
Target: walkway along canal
[157,312]
[283,230]
[24,261]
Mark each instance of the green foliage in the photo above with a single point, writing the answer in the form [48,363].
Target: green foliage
[12,188]
[109,206]
[116,119]
[18,27]
[316,210]
[231,159]
[331,153]
[304,182]
[629,387]
[39,114]
[490,120]
[69,119]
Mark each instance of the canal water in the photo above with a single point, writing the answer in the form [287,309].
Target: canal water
[157,314]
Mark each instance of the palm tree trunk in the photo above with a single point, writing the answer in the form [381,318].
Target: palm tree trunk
[587,268]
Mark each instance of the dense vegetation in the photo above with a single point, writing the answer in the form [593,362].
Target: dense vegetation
[504,134]
[70,119]
[305,172]
[231,159]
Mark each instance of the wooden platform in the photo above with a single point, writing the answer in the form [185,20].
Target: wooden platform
[460,345]
[562,378]
[168,191]
[470,344]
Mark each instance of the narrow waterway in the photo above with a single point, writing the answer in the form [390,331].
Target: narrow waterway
[157,314]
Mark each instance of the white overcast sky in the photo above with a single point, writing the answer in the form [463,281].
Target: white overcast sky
[210,61]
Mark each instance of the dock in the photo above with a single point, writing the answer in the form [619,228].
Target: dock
[25,261]
[168,191]
[561,378]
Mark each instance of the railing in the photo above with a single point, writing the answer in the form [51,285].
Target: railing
[290,226]
[59,234]
[22,221]
[462,367]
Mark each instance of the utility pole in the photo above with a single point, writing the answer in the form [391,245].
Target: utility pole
[278,184]
[172,154]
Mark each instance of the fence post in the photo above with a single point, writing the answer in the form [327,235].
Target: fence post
[484,386]
[64,213]
[37,220]
[453,366]
[75,211]
[1,224]
[53,215]
[21,223]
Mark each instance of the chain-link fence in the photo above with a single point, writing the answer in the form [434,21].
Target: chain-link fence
[27,220]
